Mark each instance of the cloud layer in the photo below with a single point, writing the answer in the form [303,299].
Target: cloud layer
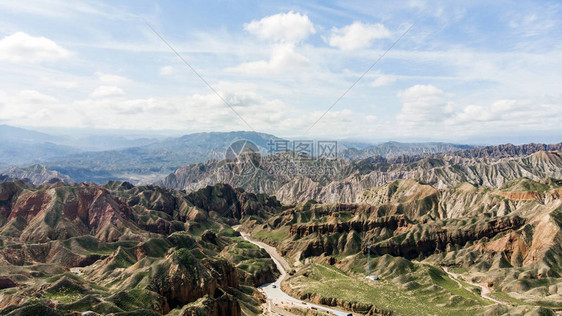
[357,35]
[288,27]
[21,47]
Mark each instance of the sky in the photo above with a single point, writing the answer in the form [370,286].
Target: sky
[462,71]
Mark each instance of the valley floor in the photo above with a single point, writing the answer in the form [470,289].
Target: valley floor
[277,300]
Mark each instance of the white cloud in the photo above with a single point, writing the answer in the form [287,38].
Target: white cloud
[285,27]
[107,91]
[490,85]
[33,96]
[427,108]
[194,112]
[418,91]
[356,35]
[111,79]
[209,112]
[283,58]
[383,80]
[337,124]
[418,4]
[63,84]
[22,48]
[63,9]
[167,70]
[29,107]
[500,110]
[287,30]
[423,104]
[531,24]
[508,117]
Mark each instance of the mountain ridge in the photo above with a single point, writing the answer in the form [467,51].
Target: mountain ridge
[343,181]
[35,174]
[118,248]
[414,233]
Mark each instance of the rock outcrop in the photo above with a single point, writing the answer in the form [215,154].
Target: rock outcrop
[390,222]
[184,279]
[425,241]
[35,174]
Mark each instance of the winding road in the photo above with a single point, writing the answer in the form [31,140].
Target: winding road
[276,298]
[484,292]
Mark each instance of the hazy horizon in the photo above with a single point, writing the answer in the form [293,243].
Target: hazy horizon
[162,134]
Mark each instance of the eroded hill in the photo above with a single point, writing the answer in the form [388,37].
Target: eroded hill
[340,181]
[507,240]
[118,248]
[146,249]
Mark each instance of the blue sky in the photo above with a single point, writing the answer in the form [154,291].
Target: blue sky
[466,71]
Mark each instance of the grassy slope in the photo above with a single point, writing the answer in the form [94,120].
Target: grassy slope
[437,294]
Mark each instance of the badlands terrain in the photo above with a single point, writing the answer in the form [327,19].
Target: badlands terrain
[466,232]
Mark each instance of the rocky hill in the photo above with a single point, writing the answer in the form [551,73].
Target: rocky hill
[397,149]
[507,150]
[35,174]
[117,248]
[506,240]
[442,172]
[340,181]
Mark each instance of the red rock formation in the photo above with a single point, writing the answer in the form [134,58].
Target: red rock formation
[390,222]
[439,238]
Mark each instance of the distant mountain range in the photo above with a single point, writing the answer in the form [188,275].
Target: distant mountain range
[395,149]
[20,146]
[101,158]
[193,161]
[147,163]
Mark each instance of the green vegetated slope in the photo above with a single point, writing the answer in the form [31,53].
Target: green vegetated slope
[417,289]
[507,240]
[120,248]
